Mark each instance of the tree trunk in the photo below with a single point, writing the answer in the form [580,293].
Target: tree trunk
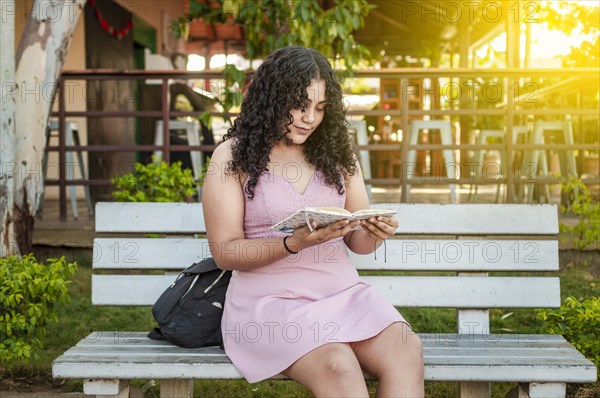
[7,127]
[39,62]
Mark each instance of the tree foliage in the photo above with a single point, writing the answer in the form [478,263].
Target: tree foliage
[30,293]
[156,182]
[581,204]
[570,16]
[579,322]
[271,24]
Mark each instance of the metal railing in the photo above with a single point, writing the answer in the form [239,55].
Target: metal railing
[509,109]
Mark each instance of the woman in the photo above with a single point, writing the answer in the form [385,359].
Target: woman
[295,304]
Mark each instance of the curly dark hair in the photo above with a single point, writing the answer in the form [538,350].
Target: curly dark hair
[279,86]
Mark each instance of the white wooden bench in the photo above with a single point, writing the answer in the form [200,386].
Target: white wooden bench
[469,240]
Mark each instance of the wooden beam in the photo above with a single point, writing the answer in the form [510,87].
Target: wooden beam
[488,37]
[513,33]
[391,21]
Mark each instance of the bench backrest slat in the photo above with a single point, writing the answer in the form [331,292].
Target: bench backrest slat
[401,254]
[468,219]
[149,217]
[468,238]
[404,291]
[476,219]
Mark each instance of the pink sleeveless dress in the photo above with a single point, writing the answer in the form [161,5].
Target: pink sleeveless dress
[276,314]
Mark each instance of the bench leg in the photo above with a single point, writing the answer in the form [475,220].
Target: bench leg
[176,389]
[106,388]
[547,390]
[538,390]
[475,390]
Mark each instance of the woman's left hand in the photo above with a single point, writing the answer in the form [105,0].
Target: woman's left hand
[379,228]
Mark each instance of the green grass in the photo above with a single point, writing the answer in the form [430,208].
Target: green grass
[79,318]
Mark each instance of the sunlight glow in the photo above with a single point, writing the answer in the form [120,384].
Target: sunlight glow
[218,61]
[547,43]
[196,63]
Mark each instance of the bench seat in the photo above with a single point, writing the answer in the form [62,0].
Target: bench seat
[448,357]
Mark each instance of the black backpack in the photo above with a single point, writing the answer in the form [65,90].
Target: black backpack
[189,312]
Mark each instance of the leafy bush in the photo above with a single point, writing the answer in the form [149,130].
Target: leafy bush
[587,231]
[29,294]
[156,182]
[579,322]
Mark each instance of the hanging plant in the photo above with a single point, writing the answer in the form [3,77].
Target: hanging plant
[268,25]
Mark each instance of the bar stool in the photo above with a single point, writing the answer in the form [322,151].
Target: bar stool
[192,129]
[517,133]
[446,134]
[537,158]
[71,138]
[482,138]
[359,127]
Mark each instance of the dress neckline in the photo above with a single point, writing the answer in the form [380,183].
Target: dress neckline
[310,182]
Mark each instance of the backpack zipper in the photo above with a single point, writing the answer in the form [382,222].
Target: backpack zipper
[215,282]
[191,286]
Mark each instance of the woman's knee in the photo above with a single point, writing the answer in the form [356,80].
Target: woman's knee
[330,370]
[415,346]
[342,365]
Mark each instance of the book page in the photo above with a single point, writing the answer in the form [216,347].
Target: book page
[329,210]
[374,212]
[325,216]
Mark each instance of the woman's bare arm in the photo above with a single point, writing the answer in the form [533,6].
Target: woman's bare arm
[223,204]
[374,230]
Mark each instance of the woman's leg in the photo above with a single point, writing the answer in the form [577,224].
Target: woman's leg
[331,370]
[395,358]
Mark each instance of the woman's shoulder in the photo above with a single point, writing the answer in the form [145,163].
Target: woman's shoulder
[221,158]
[223,151]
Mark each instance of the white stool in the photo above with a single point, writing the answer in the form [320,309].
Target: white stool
[359,127]
[537,157]
[482,139]
[446,134]
[71,138]
[518,131]
[192,129]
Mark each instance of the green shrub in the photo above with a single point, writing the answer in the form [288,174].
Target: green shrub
[579,322]
[29,294]
[587,231]
[156,182]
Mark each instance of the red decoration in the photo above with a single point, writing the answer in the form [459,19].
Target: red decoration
[107,27]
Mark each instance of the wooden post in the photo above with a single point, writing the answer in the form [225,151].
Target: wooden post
[166,156]
[512,169]
[513,33]
[465,134]
[404,103]
[62,169]
[527,60]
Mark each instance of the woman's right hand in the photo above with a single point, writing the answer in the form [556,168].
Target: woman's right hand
[303,237]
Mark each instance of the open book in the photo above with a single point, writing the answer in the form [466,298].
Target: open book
[326,215]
